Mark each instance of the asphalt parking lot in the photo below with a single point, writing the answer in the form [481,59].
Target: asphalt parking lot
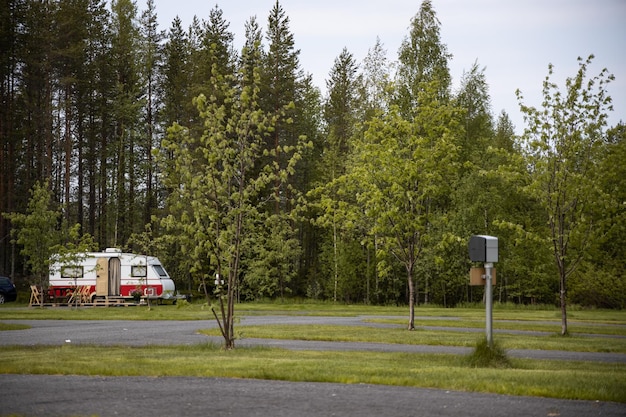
[54,395]
[138,333]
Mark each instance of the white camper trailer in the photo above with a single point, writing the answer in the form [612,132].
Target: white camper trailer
[112,274]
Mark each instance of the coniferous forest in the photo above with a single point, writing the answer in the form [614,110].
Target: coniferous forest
[119,133]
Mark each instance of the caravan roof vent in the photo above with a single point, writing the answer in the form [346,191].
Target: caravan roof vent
[113,250]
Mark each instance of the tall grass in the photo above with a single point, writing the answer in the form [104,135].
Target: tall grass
[485,356]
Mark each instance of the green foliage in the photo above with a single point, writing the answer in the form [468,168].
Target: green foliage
[401,170]
[272,252]
[36,231]
[485,356]
[423,59]
[94,86]
[218,186]
[564,141]
[72,250]
[42,241]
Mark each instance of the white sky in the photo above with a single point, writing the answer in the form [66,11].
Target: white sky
[514,40]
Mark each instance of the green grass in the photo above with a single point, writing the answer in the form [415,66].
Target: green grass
[10,326]
[193,311]
[557,379]
[485,356]
[424,337]
[575,327]
[200,311]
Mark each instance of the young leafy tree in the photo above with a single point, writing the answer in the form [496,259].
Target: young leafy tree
[273,251]
[42,241]
[340,117]
[600,280]
[73,247]
[36,231]
[444,263]
[404,168]
[562,139]
[217,183]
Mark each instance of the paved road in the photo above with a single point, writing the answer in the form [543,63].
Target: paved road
[53,395]
[140,333]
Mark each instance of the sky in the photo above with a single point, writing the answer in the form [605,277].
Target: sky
[514,41]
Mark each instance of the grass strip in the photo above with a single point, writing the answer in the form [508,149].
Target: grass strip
[11,326]
[526,325]
[199,311]
[556,379]
[340,333]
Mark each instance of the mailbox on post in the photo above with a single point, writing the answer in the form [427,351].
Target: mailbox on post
[483,248]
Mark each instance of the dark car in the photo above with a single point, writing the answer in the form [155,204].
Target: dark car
[7,290]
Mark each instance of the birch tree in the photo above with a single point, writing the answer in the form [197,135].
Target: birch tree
[562,139]
[404,169]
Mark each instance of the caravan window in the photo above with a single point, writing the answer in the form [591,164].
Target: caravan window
[138,271]
[159,270]
[72,272]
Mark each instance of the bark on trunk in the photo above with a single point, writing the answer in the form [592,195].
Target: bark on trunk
[411,300]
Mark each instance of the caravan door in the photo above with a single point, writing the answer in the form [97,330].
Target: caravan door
[108,278]
[102,277]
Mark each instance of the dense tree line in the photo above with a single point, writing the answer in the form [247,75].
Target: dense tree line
[367,192]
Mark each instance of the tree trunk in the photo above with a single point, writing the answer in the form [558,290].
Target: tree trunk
[563,298]
[411,298]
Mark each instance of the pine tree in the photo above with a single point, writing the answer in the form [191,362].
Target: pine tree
[100,91]
[11,17]
[151,54]
[127,107]
[340,112]
[474,97]
[36,107]
[176,77]
[340,119]
[278,87]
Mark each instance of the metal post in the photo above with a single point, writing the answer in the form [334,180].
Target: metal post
[488,304]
